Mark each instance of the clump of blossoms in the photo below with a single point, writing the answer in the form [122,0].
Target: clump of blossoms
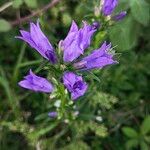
[67,60]
[106,9]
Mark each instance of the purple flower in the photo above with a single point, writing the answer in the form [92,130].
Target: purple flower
[36,83]
[119,16]
[97,59]
[75,84]
[96,25]
[52,114]
[109,6]
[36,39]
[76,41]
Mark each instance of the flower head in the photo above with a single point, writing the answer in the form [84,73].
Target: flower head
[77,41]
[36,39]
[75,84]
[97,59]
[36,83]
[109,6]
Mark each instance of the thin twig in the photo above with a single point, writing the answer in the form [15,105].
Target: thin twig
[35,13]
[6,5]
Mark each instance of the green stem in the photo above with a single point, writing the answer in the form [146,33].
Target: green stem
[34,62]
[16,70]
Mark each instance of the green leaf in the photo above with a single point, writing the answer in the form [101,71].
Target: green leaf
[140,11]
[100,130]
[80,145]
[99,38]
[105,100]
[31,3]
[129,132]
[145,128]
[39,132]
[66,18]
[4,25]
[147,139]
[144,146]
[124,34]
[17,3]
[131,144]
[93,76]
[122,5]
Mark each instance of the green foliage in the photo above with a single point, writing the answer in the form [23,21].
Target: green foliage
[66,19]
[99,38]
[145,127]
[104,100]
[140,11]
[4,25]
[83,128]
[17,3]
[77,145]
[130,27]
[31,3]
[117,98]
[125,77]
[144,146]
[100,130]
[129,132]
[127,37]
[133,143]
[138,139]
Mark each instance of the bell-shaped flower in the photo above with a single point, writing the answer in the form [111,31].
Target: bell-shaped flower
[75,84]
[97,59]
[37,40]
[108,6]
[119,16]
[52,114]
[77,41]
[36,83]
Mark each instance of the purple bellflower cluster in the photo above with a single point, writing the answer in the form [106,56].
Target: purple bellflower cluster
[74,45]
[108,6]
[73,48]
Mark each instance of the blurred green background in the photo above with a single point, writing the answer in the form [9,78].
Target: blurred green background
[114,114]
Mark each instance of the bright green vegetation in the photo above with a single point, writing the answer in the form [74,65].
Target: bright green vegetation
[115,112]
